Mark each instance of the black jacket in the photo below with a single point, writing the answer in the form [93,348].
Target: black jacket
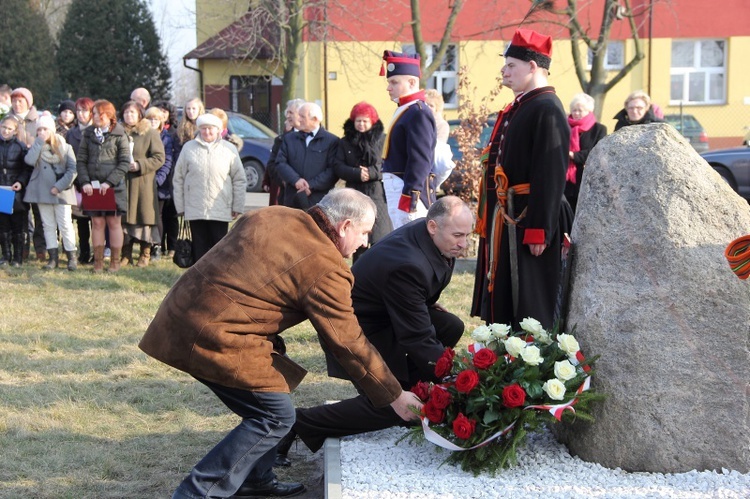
[14,169]
[313,162]
[365,149]
[623,121]
[395,282]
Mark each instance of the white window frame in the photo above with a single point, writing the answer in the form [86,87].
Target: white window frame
[686,71]
[611,54]
[440,75]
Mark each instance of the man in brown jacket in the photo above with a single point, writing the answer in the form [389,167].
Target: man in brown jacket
[220,323]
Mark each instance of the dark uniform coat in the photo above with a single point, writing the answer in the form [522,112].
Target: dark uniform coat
[531,141]
[365,149]
[410,151]
[313,162]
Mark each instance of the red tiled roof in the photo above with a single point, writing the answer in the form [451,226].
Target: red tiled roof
[249,37]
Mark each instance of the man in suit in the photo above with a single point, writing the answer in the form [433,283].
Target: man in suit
[305,160]
[397,284]
[410,142]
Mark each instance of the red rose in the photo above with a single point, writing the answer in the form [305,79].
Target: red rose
[421,390]
[440,397]
[444,363]
[432,413]
[581,358]
[484,358]
[463,427]
[466,381]
[514,396]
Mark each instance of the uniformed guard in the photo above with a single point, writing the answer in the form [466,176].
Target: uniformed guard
[522,214]
[410,142]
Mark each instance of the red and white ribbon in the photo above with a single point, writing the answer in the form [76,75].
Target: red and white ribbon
[555,410]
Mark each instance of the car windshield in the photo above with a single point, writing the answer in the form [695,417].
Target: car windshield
[249,130]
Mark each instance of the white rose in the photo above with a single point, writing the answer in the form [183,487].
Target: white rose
[532,326]
[481,334]
[514,345]
[531,355]
[568,343]
[499,331]
[564,370]
[555,389]
[543,338]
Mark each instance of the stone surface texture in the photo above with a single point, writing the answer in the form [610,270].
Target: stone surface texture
[652,293]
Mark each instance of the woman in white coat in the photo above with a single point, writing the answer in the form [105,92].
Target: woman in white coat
[209,185]
[50,187]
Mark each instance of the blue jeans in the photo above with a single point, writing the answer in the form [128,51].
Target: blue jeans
[247,453]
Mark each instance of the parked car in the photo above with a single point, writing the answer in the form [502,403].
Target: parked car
[733,165]
[690,128]
[256,148]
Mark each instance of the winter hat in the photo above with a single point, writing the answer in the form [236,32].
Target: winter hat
[528,45]
[67,105]
[364,109]
[25,93]
[209,119]
[46,121]
[397,63]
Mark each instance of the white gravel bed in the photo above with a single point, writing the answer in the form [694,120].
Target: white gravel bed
[373,466]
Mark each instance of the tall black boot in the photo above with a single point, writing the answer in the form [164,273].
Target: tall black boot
[19,241]
[5,242]
[54,259]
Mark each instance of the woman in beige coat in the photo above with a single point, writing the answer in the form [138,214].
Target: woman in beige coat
[141,221]
[209,185]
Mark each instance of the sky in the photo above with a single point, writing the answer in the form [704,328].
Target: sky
[175,21]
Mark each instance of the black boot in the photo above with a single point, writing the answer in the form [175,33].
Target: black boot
[5,242]
[19,242]
[282,449]
[72,260]
[54,258]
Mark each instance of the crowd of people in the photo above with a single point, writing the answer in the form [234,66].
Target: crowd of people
[121,177]
[380,322]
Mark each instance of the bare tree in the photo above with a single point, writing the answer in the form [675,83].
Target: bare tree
[419,43]
[584,39]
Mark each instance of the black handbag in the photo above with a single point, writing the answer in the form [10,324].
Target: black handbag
[183,248]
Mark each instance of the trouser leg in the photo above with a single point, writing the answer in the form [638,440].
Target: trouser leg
[247,453]
[40,246]
[348,417]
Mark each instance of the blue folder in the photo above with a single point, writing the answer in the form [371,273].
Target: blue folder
[7,196]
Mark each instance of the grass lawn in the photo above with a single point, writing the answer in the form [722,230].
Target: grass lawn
[85,414]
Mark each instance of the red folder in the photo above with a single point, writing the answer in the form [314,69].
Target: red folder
[98,202]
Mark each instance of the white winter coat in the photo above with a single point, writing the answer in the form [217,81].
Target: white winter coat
[209,181]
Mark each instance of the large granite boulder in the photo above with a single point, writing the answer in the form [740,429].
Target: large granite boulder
[653,294]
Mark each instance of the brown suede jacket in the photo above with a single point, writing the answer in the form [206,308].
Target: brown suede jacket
[275,268]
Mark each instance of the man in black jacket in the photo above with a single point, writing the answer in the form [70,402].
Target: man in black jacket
[305,160]
[397,284]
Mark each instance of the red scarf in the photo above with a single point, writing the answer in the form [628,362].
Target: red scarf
[576,128]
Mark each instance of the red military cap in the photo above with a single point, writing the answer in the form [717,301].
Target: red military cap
[400,64]
[528,45]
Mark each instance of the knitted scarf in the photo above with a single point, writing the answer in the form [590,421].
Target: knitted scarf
[576,128]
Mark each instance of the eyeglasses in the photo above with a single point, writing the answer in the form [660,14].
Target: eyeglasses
[636,108]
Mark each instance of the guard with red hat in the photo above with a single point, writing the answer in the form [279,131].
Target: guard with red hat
[522,215]
[410,142]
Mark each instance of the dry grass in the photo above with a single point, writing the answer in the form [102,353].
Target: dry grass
[85,414]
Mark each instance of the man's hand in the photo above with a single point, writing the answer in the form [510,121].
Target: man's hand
[302,186]
[537,249]
[405,405]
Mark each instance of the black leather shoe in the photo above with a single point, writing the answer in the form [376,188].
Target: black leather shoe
[282,449]
[274,488]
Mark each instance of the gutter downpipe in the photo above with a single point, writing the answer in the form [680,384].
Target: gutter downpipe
[200,78]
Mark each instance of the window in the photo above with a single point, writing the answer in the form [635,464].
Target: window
[615,58]
[698,72]
[445,78]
